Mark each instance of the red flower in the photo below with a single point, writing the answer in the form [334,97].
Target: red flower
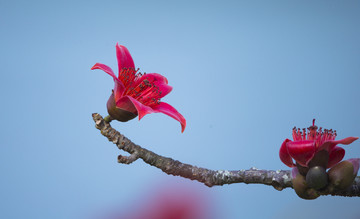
[165,201]
[307,144]
[135,93]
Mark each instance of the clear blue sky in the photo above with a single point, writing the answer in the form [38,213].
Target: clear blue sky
[244,74]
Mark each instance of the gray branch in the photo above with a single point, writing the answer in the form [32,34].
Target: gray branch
[279,179]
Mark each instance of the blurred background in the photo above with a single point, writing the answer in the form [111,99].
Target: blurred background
[244,74]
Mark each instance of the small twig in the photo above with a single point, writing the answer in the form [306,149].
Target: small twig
[128,159]
[279,179]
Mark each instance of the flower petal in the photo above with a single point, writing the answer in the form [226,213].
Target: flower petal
[172,112]
[284,155]
[329,145]
[118,90]
[164,89]
[127,103]
[152,77]
[157,79]
[335,156]
[142,109]
[123,57]
[119,87]
[105,68]
[301,151]
[131,104]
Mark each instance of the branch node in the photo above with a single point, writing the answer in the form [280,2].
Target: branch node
[278,179]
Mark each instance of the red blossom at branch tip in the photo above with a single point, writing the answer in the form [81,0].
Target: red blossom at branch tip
[137,94]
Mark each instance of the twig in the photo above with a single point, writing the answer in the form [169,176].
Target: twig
[279,179]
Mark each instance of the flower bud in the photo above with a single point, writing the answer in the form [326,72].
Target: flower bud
[342,175]
[316,177]
[301,188]
[117,113]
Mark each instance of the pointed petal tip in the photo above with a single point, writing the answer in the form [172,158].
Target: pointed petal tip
[181,120]
[347,140]
[92,68]
[96,66]
[169,110]
[141,115]
[183,125]
[118,46]
[124,57]
[107,70]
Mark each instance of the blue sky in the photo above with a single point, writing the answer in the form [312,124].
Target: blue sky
[244,74]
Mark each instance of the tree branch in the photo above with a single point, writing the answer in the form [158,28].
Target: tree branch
[279,179]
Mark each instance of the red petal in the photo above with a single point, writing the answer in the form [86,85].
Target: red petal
[284,154]
[105,68]
[301,151]
[133,105]
[152,77]
[172,112]
[118,90]
[157,79]
[335,156]
[127,104]
[124,58]
[330,144]
[164,89]
[119,87]
[142,109]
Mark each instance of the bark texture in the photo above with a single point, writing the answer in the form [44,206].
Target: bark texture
[279,179]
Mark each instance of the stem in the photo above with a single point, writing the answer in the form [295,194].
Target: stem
[108,119]
[279,179]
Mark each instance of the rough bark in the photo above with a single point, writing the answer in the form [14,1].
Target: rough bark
[279,179]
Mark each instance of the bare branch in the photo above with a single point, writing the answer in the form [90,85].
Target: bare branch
[128,159]
[279,179]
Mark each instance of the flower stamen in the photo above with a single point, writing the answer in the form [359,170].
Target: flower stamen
[314,134]
[145,92]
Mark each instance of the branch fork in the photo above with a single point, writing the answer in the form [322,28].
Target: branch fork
[279,179]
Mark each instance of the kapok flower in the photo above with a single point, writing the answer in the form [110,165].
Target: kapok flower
[135,93]
[308,144]
[166,202]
